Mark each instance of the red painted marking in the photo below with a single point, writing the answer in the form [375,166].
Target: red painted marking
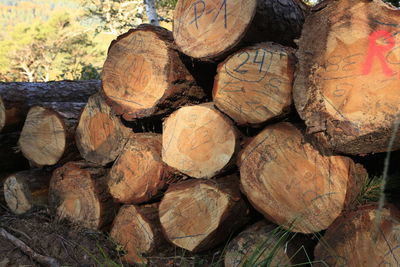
[375,50]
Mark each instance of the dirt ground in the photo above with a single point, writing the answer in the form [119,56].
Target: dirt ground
[74,246]
[69,244]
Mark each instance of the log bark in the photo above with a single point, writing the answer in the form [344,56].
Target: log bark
[374,234]
[48,133]
[17,97]
[100,134]
[26,189]
[78,192]
[265,244]
[198,214]
[199,141]
[144,76]
[11,158]
[346,87]
[213,29]
[139,174]
[294,184]
[137,229]
[255,245]
[255,84]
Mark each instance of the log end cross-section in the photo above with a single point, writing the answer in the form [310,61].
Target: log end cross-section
[292,183]
[347,83]
[255,84]
[143,74]
[199,141]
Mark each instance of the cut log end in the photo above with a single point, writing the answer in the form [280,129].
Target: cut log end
[198,214]
[26,189]
[346,87]
[137,230]
[206,29]
[255,84]
[78,192]
[100,135]
[289,181]
[142,72]
[255,245]
[133,71]
[374,233]
[43,137]
[199,141]
[139,174]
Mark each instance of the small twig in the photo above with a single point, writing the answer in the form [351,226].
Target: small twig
[48,261]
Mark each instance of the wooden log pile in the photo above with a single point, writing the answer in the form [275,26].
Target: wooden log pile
[276,134]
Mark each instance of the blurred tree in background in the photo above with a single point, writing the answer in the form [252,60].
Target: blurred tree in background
[56,49]
[44,40]
[115,16]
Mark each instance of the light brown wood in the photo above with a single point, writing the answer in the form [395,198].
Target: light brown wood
[139,174]
[26,189]
[137,229]
[48,133]
[100,134]
[78,192]
[255,244]
[347,84]
[294,184]
[199,141]
[17,97]
[255,84]
[198,214]
[210,29]
[144,76]
[361,238]
[11,158]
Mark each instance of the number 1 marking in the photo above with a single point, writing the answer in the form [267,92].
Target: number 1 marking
[223,5]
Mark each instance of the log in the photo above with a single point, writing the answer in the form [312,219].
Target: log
[17,97]
[144,76]
[209,29]
[346,87]
[374,234]
[100,134]
[254,245]
[137,229]
[199,141]
[11,159]
[254,84]
[78,192]
[48,133]
[295,185]
[26,189]
[265,244]
[199,214]
[139,174]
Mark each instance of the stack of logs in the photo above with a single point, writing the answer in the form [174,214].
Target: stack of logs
[225,86]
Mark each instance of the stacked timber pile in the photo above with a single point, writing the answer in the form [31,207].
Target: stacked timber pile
[224,151]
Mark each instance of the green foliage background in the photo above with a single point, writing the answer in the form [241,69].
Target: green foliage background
[42,40]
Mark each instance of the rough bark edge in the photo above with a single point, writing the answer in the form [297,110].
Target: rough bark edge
[183,88]
[307,95]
